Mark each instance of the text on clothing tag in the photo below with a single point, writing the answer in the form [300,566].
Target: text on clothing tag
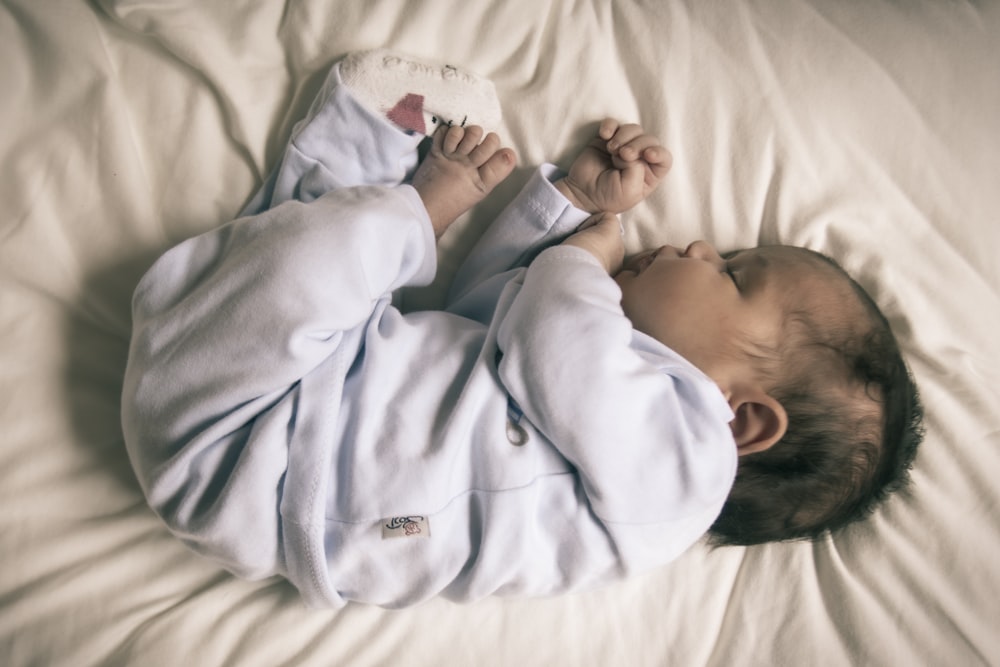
[406,526]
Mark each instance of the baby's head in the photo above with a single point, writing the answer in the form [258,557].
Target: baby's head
[827,416]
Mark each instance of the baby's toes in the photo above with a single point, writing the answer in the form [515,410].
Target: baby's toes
[485,150]
[497,167]
[473,135]
[453,136]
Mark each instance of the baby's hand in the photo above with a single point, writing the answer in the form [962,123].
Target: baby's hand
[601,236]
[617,170]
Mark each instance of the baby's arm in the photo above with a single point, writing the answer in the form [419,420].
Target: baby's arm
[539,216]
[619,167]
[647,431]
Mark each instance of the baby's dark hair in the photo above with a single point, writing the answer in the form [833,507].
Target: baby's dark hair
[854,424]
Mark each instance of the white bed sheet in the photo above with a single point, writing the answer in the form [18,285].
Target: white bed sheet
[869,131]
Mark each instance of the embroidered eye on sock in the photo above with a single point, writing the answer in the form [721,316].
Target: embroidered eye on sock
[418,96]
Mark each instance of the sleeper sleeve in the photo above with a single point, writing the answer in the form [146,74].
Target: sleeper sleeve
[647,431]
[536,218]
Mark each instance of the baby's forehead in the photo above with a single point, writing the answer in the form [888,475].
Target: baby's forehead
[807,281]
[784,254]
[782,262]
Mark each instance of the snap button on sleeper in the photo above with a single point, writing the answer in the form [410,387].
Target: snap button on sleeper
[516,434]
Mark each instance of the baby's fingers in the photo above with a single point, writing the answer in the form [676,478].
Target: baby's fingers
[643,146]
[645,155]
[608,128]
[623,136]
[601,236]
[659,160]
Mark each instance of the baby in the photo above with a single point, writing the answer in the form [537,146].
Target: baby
[567,420]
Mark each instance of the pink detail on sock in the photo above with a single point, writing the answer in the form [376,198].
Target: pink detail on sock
[409,113]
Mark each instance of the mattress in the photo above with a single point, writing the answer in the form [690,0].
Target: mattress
[868,131]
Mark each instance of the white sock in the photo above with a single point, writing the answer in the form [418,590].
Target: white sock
[418,96]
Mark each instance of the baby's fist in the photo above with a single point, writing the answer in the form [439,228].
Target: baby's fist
[601,236]
[617,169]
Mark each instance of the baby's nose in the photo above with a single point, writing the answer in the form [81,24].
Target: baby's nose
[701,250]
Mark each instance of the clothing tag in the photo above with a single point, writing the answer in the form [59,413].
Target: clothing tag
[406,526]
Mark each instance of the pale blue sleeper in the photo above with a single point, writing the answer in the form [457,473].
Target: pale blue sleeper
[284,418]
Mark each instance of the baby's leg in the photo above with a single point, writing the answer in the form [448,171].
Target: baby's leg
[461,168]
[366,123]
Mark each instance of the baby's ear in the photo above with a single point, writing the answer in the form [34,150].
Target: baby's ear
[760,422]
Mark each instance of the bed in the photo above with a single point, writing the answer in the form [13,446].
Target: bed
[869,131]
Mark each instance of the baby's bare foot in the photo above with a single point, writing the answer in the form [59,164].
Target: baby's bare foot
[460,169]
